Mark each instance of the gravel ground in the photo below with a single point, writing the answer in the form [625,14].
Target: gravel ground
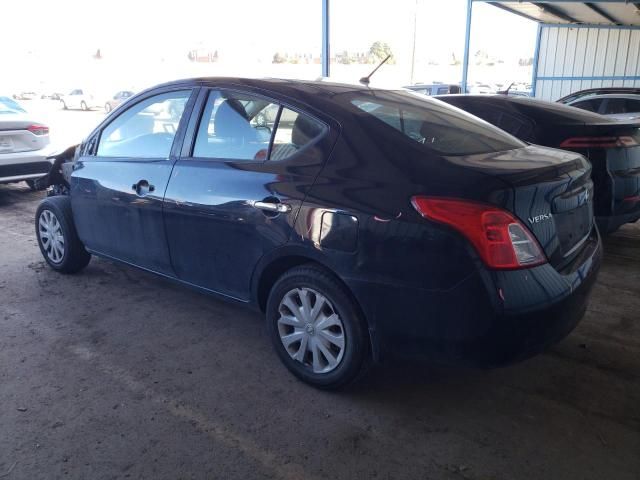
[114,373]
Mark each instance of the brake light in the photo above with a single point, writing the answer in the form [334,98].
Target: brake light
[599,142]
[38,129]
[501,240]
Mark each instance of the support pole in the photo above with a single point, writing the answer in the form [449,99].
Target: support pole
[326,58]
[467,41]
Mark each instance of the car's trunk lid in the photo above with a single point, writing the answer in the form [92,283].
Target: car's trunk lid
[552,195]
[15,136]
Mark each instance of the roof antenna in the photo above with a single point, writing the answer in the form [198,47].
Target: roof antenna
[365,80]
[506,92]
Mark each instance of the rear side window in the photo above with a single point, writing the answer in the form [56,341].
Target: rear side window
[633,106]
[145,130]
[592,105]
[622,105]
[241,126]
[294,132]
[433,124]
[235,126]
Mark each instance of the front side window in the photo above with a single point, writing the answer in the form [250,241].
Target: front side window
[145,130]
[433,124]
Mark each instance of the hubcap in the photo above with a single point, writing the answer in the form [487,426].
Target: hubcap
[51,236]
[311,330]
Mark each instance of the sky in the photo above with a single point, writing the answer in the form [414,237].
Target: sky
[58,37]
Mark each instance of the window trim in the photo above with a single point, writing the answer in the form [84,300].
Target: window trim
[199,109]
[177,139]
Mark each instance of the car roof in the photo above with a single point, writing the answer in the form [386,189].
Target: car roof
[628,96]
[274,84]
[318,95]
[557,113]
[599,90]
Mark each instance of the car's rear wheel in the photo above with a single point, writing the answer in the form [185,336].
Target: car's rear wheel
[316,328]
[84,106]
[57,236]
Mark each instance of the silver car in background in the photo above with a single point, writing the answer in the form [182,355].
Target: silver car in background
[623,106]
[23,144]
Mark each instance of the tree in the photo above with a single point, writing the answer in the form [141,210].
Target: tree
[379,51]
[278,58]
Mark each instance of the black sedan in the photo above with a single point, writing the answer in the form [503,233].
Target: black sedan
[370,222]
[612,147]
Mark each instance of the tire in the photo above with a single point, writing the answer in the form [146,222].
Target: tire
[33,186]
[107,107]
[310,281]
[72,257]
[83,106]
[64,105]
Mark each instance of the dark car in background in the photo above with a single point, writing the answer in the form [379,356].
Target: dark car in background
[117,99]
[612,146]
[376,222]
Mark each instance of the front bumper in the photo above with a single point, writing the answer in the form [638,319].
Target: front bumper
[490,319]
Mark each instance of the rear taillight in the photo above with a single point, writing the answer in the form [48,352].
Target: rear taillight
[502,241]
[599,142]
[38,129]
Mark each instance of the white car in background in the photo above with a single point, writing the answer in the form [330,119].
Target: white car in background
[23,145]
[622,106]
[81,100]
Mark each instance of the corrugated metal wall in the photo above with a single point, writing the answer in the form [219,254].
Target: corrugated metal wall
[571,58]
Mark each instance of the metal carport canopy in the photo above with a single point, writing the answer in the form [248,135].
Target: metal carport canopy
[596,14]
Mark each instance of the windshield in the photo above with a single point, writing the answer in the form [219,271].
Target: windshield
[433,124]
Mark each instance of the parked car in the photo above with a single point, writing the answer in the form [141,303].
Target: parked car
[25,95]
[612,147]
[615,105]
[23,144]
[79,99]
[434,89]
[49,95]
[598,91]
[379,222]
[117,99]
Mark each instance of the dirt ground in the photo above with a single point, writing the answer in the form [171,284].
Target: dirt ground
[114,373]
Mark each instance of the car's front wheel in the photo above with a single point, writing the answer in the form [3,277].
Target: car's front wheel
[84,106]
[57,236]
[107,107]
[316,328]
[64,105]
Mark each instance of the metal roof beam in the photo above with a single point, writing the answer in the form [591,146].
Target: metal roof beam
[593,7]
[556,13]
[515,12]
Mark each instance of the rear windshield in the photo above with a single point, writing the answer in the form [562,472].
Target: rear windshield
[433,124]
[9,106]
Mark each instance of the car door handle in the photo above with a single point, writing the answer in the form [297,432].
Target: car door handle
[272,207]
[142,187]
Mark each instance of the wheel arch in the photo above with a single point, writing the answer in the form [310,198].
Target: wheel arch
[275,265]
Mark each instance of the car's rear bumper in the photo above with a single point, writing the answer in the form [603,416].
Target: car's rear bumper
[15,167]
[492,318]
